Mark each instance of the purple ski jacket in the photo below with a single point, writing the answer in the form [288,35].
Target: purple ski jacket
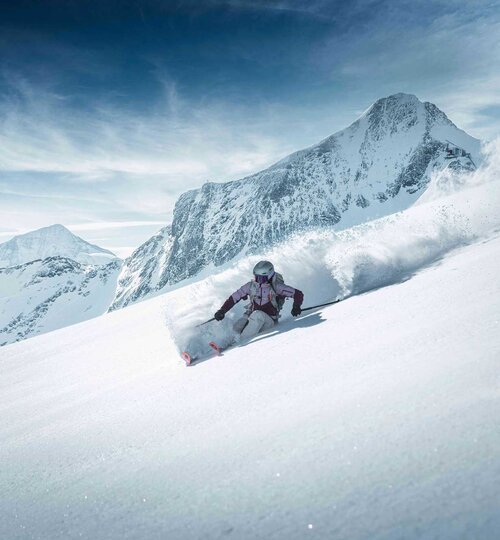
[262,299]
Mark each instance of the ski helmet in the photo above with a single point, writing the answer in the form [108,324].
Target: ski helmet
[263,271]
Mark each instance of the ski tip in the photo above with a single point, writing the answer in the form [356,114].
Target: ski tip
[186,357]
[215,347]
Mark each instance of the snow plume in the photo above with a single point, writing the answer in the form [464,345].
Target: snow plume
[327,265]
[490,171]
[460,175]
[390,250]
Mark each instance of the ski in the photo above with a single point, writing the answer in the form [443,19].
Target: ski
[215,347]
[190,360]
[187,358]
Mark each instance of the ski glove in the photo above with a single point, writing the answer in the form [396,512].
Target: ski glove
[219,315]
[296,311]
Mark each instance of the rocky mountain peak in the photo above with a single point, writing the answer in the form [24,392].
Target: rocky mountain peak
[378,165]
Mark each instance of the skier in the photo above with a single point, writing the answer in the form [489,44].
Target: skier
[267,294]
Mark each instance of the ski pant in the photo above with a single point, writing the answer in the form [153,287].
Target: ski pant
[249,326]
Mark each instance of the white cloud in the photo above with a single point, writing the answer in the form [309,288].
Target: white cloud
[105,225]
[467,104]
[122,251]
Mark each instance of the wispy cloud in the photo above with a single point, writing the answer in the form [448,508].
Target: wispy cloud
[474,105]
[42,132]
[115,166]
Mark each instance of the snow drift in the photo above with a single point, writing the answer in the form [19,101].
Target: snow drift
[327,265]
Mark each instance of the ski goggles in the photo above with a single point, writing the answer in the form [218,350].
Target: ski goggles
[262,279]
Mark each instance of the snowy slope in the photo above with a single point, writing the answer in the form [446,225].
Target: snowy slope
[379,165]
[53,241]
[376,418]
[41,296]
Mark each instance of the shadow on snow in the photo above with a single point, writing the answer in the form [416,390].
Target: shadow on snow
[306,321]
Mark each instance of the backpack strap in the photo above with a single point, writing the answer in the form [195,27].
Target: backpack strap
[277,300]
[273,300]
[252,294]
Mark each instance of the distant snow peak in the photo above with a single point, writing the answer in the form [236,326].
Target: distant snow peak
[52,241]
[378,165]
[50,278]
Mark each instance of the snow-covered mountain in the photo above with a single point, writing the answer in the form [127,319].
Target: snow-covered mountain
[380,164]
[50,278]
[45,295]
[53,241]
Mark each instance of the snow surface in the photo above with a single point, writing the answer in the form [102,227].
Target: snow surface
[375,418]
[53,241]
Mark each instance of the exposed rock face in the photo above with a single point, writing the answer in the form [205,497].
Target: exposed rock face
[378,165]
[145,270]
[45,295]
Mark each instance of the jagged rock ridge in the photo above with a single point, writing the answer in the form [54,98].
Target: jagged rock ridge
[145,269]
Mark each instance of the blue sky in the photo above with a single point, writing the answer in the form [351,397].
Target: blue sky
[110,109]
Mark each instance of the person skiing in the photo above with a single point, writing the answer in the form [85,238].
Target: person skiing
[267,293]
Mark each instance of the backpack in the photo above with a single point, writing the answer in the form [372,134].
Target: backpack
[276,300]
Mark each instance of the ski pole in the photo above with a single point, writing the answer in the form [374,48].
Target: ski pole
[321,305]
[206,322]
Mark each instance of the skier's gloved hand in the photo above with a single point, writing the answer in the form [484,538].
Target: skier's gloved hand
[219,315]
[296,311]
